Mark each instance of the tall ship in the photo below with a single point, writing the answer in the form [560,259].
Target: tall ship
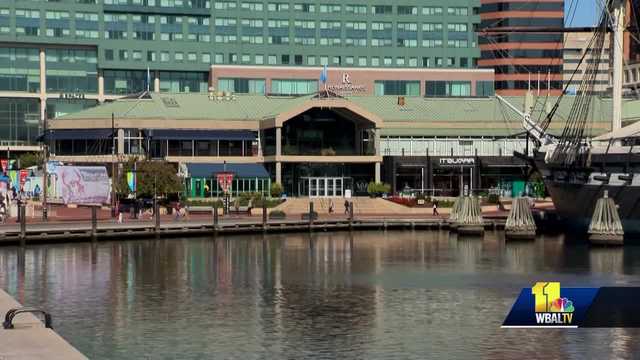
[577,168]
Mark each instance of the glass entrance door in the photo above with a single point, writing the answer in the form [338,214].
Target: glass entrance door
[321,186]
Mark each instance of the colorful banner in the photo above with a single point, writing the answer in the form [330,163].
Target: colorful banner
[132,181]
[23,177]
[225,179]
[83,185]
[13,175]
[4,163]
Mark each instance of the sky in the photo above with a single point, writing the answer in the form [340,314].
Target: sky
[585,12]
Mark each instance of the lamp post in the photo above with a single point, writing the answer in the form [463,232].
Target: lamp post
[45,174]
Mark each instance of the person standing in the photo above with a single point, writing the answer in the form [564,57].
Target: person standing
[346,206]
[331,206]
[435,208]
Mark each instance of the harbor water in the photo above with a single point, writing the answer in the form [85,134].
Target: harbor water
[361,295]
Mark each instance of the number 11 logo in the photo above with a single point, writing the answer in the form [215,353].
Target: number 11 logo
[545,293]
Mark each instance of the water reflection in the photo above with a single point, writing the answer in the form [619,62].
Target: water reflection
[411,294]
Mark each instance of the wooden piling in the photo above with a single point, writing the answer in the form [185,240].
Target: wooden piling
[94,223]
[606,227]
[23,224]
[520,224]
[469,217]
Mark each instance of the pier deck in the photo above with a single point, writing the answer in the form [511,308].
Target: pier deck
[30,339]
[78,231]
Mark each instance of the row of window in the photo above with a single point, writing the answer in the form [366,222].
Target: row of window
[299,7]
[382,87]
[286,59]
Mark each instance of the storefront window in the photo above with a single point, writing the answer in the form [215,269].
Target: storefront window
[448,88]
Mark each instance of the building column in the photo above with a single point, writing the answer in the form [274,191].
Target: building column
[156,82]
[377,172]
[43,86]
[100,86]
[377,143]
[120,142]
[278,172]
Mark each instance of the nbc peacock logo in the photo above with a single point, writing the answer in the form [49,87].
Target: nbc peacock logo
[550,307]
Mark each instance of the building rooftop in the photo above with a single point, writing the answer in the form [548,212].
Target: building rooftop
[419,116]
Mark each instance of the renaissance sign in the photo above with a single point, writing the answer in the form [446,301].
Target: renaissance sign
[346,86]
[458,161]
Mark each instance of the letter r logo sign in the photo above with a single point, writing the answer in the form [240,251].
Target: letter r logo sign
[346,79]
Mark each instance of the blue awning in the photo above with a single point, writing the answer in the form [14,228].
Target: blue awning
[78,134]
[182,134]
[240,170]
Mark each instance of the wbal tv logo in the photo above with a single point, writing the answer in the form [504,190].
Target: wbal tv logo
[550,308]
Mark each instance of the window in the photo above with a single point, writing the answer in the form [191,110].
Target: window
[330,8]
[484,88]
[432,10]
[184,82]
[164,56]
[407,10]
[151,56]
[123,55]
[136,55]
[431,43]
[362,61]
[311,60]
[457,43]
[272,60]
[57,15]
[448,88]
[251,6]
[307,8]
[294,87]
[108,54]
[242,86]
[397,87]
[458,11]
[206,58]
[277,7]
[431,27]
[457,27]
[355,9]
[382,9]
[225,5]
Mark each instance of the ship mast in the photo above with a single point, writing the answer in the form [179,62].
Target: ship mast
[617,49]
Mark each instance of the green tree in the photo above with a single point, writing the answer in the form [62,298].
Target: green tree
[152,177]
[30,159]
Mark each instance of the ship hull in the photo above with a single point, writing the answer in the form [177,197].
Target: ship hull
[575,192]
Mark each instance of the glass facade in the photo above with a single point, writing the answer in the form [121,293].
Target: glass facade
[19,69]
[72,70]
[60,107]
[120,82]
[19,121]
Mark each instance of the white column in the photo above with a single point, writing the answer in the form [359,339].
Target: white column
[100,86]
[278,141]
[279,172]
[156,82]
[43,86]
[120,142]
[377,172]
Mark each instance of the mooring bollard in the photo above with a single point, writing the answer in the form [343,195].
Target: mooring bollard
[156,212]
[264,216]
[23,224]
[94,223]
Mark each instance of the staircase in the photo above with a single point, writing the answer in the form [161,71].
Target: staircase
[361,205]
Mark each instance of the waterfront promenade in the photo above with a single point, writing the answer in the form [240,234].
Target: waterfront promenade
[30,339]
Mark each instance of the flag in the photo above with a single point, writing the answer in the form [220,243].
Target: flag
[323,75]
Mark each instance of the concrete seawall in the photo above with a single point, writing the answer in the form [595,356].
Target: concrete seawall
[30,339]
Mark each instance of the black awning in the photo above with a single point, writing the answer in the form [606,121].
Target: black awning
[239,170]
[182,134]
[77,134]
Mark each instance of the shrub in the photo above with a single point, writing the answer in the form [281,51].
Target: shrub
[377,189]
[276,190]
[410,202]
[277,214]
[493,199]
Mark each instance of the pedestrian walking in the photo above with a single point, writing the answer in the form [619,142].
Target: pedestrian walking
[346,206]
[435,208]
[331,206]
